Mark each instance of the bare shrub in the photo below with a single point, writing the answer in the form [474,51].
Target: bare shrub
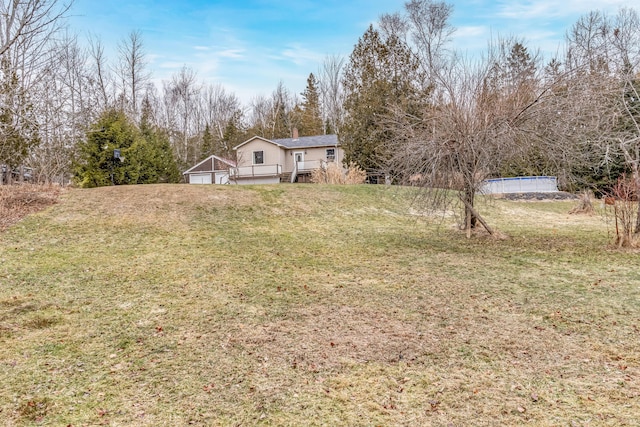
[355,175]
[332,173]
[329,173]
[623,197]
[585,204]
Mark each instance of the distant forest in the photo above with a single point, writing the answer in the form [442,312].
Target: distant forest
[404,104]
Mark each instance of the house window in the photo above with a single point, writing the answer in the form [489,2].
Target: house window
[331,154]
[258,157]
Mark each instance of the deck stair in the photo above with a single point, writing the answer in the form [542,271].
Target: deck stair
[285,177]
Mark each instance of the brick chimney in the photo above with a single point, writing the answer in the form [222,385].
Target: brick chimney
[295,133]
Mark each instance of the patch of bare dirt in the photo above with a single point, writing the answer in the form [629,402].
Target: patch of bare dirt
[18,201]
[335,336]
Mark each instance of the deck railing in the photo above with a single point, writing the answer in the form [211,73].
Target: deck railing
[255,171]
[273,170]
[308,165]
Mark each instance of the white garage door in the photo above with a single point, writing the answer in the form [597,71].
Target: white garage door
[200,178]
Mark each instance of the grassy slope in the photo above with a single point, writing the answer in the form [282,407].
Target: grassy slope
[312,305]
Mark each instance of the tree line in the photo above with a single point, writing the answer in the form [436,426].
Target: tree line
[405,103]
[65,106]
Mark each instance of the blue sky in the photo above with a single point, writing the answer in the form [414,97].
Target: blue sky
[249,46]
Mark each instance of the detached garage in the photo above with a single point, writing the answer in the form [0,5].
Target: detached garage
[211,170]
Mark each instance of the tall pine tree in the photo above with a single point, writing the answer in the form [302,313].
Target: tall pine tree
[158,163]
[207,143]
[381,73]
[311,119]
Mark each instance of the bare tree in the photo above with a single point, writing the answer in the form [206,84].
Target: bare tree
[219,106]
[64,109]
[181,102]
[332,92]
[431,31]
[274,116]
[131,72]
[25,20]
[588,41]
[466,136]
[626,39]
[260,114]
[604,57]
[101,78]
[394,25]
[222,115]
[26,29]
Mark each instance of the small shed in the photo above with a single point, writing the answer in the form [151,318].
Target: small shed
[212,170]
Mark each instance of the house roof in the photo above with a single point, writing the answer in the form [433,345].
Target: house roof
[226,161]
[309,141]
[302,142]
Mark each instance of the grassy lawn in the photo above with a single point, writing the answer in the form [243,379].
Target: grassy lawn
[299,305]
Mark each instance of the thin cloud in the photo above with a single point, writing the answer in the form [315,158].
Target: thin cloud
[231,53]
[300,55]
[529,10]
[546,9]
[471,31]
[171,65]
[152,58]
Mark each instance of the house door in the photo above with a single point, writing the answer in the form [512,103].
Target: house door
[299,159]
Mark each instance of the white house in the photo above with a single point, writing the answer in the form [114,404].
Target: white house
[264,161]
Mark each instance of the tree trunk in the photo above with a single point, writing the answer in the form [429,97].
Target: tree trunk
[472,214]
[636,192]
[470,217]
[467,224]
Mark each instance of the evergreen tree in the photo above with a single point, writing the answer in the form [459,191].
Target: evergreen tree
[311,119]
[629,139]
[281,124]
[207,142]
[513,81]
[145,154]
[234,134]
[381,73]
[630,123]
[96,165]
[157,161]
[160,163]
[521,68]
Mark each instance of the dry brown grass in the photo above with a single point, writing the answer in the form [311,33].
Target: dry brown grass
[18,201]
[584,204]
[335,174]
[312,305]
